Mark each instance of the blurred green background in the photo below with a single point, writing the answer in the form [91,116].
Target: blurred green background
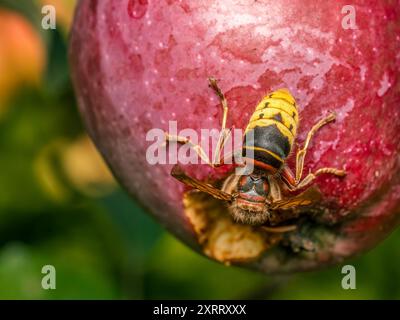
[59,204]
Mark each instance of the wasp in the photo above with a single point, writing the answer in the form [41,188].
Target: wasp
[257,198]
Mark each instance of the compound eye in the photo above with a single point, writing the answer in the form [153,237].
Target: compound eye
[246,183]
[262,187]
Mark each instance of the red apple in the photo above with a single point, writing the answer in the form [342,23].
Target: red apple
[138,64]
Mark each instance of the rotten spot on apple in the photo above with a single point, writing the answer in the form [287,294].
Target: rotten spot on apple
[136,65]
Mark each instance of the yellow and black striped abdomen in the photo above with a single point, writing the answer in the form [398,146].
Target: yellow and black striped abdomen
[273,126]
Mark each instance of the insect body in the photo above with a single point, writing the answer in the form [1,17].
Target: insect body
[256,198]
[272,130]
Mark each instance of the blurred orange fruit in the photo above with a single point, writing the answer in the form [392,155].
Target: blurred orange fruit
[85,168]
[22,54]
[81,165]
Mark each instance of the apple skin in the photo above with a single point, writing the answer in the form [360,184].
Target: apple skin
[138,64]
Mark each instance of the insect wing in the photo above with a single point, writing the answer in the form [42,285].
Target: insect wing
[303,199]
[178,174]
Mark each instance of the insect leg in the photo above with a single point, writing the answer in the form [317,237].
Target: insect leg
[197,148]
[280,216]
[288,177]
[295,183]
[180,175]
[221,139]
[311,176]
[224,133]
[281,229]
[302,152]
